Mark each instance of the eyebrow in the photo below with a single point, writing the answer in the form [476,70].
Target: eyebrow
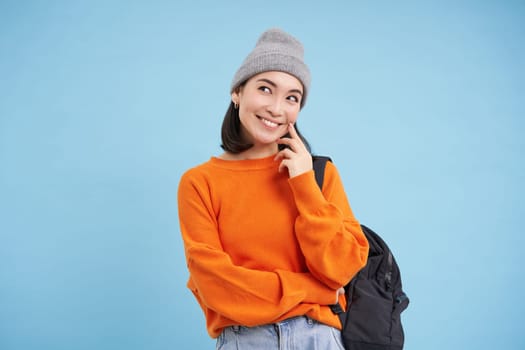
[268,81]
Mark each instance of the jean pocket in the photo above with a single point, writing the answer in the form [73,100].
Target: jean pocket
[220,340]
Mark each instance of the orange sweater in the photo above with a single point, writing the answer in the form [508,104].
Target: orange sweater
[261,247]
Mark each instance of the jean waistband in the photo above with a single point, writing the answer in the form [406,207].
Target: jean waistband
[294,319]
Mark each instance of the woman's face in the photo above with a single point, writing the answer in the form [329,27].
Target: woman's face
[268,102]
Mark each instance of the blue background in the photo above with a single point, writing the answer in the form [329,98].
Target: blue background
[103,105]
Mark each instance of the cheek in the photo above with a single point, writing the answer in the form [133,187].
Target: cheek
[243,112]
[246,108]
[292,117]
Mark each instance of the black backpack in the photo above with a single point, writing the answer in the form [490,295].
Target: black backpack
[375,298]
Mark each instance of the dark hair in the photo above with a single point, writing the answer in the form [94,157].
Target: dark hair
[231,135]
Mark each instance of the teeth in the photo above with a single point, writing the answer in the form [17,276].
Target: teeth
[269,123]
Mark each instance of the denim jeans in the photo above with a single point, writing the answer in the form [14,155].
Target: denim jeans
[301,333]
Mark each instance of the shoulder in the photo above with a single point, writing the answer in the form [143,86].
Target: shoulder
[330,176]
[198,173]
[329,168]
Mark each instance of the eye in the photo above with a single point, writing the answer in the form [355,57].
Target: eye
[293,98]
[265,89]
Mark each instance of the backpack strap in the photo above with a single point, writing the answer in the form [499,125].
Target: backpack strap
[319,164]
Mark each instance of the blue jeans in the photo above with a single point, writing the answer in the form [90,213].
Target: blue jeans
[301,333]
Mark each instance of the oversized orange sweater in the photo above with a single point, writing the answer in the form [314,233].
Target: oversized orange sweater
[261,247]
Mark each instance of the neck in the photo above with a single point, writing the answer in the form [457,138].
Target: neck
[255,152]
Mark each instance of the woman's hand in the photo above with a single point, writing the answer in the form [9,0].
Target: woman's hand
[340,291]
[295,157]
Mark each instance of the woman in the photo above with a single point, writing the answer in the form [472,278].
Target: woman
[266,249]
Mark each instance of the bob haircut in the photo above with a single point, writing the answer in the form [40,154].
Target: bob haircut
[231,135]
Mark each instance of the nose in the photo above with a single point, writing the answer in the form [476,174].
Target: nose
[275,107]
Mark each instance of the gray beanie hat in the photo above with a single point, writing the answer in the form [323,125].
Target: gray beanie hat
[275,50]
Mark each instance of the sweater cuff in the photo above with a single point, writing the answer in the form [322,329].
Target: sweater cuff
[307,194]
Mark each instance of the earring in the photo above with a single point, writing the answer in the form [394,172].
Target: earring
[235,105]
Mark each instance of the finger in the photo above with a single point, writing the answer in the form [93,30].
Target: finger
[293,132]
[340,291]
[286,141]
[299,144]
[295,144]
[284,154]
[283,166]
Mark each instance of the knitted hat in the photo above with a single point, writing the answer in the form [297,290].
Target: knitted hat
[275,50]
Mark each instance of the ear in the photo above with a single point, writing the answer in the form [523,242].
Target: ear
[235,96]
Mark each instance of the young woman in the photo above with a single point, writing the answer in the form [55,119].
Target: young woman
[267,250]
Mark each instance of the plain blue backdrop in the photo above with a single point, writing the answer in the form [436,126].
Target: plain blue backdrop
[104,104]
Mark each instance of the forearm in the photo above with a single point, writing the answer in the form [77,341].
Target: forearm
[330,237]
[250,296]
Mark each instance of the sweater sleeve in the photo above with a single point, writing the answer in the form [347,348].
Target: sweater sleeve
[329,235]
[246,296]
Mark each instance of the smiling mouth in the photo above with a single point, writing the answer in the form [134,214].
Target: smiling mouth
[269,123]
